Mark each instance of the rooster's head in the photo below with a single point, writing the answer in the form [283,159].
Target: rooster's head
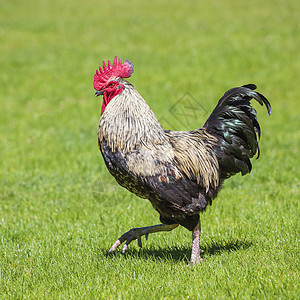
[106,80]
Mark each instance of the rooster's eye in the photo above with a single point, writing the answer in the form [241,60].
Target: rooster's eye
[112,84]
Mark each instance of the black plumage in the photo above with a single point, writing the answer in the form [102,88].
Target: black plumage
[234,123]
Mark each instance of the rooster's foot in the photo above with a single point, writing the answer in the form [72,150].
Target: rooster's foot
[137,233]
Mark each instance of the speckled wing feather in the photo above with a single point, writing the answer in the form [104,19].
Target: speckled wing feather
[176,197]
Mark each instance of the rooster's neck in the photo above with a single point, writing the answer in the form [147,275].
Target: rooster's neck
[128,122]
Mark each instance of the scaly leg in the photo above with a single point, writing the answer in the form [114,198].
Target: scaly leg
[137,233]
[195,257]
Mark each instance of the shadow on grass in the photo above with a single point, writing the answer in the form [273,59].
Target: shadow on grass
[183,253]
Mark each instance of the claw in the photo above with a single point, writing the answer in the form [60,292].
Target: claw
[195,262]
[124,248]
[114,246]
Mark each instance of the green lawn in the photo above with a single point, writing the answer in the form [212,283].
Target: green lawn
[59,208]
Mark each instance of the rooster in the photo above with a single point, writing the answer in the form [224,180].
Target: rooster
[180,172]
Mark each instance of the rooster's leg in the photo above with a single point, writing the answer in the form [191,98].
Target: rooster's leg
[195,257]
[137,233]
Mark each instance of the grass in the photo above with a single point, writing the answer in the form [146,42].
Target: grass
[59,208]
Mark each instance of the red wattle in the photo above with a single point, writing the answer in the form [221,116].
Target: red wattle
[108,96]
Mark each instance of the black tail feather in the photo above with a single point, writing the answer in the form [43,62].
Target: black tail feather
[261,98]
[235,124]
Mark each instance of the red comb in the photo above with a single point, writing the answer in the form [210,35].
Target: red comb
[117,69]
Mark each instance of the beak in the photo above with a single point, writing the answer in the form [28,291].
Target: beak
[98,93]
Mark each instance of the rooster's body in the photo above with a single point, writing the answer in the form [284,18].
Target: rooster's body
[179,172]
